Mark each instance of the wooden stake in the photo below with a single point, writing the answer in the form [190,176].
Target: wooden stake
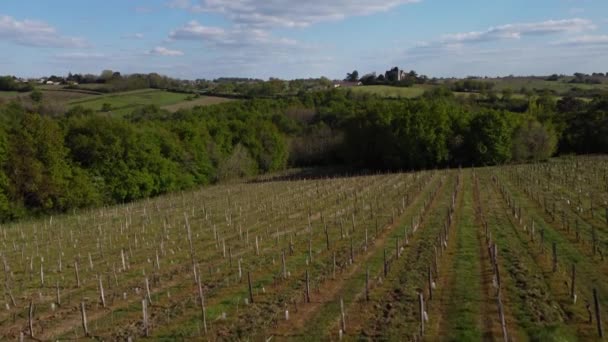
[77,276]
[284,265]
[144,312]
[554,257]
[307,287]
[148,296]
[101,293]
[385,265]
[421,312]
[83,315]
[250,289]
[58,296]
[598,317]
[342,315]
[430,280]
[31,318]
[202,301]
[573,282]
[367,284]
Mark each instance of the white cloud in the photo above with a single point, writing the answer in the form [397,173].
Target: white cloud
[35,33]
[517,31]
[133,36]
[237,37]
[585,40]
[80,55]
[287,13]
[163,51]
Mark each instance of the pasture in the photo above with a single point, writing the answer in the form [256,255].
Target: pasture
[392,92]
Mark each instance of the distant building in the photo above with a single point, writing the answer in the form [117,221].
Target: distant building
[396,74]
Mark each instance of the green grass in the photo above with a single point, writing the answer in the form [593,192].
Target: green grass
[8,94]
[125,102]
[392,92]
[201,101]
[561,86]
[464,308]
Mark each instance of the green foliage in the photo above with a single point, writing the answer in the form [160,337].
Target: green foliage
[37,163]
[533,142]
[36,96]
[238,164]
[85,158]
[5,205]
[10,83]
[490,137]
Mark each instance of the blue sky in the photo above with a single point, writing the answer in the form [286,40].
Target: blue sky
[300,39]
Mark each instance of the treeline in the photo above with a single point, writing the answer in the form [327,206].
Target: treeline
[11,83]
[82,159]
[85,159]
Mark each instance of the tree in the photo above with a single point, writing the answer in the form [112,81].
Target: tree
[238,164]
[352,77]
[36,96]
[507,94]
[533,142]
[37,168]
[490,138]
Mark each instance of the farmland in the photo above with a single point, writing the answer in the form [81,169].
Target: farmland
[126,102]
[392,92]
[485,252]
[119,103]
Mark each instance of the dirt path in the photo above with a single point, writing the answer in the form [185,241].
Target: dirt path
[438,307]
[489,310]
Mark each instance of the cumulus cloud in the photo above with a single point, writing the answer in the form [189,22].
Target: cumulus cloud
[287,13]
[35,33]
[163,51]
[228,37]
[517,31]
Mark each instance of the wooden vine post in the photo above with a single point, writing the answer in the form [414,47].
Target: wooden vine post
[598,317]
[83,315]
[249,285]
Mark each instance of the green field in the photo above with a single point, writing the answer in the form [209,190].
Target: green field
[372,242]
[9,94]
[560,87]
[200,101]
[392,92]
[126,102]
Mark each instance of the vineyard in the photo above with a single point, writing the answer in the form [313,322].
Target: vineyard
[514,252]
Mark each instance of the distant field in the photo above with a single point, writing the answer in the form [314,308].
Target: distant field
[50,94]
[123,103]
[8,94]
[393,92]
[560,86]
[201,101]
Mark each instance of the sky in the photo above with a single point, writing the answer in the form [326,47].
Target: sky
[291,39]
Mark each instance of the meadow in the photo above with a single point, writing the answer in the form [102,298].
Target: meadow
[119,103]
[125,102]
[515,252]
[392,92]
